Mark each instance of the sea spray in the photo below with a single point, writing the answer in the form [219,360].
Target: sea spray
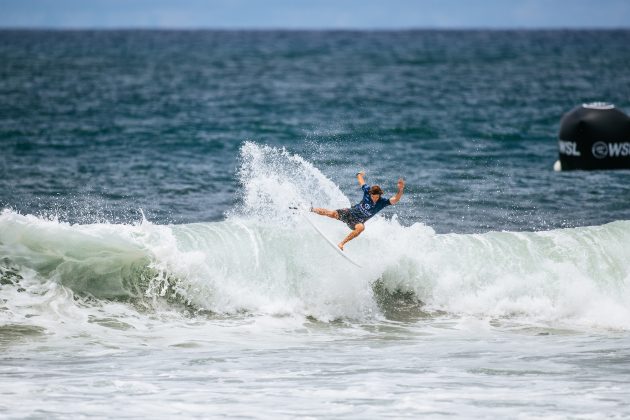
[272,179]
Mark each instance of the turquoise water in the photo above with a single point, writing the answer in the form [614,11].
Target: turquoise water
[149,261]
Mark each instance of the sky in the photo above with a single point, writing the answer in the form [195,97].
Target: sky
[314,14]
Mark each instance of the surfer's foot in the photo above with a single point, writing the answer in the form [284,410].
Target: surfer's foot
[340,246]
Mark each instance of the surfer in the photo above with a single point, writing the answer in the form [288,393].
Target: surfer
[356,216]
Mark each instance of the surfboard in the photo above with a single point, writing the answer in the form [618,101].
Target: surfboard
[331,243]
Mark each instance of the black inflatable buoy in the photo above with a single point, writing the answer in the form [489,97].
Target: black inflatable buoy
[594,136]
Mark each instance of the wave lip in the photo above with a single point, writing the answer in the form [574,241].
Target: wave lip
[103,260]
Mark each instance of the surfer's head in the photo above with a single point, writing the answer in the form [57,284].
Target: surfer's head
[376,190]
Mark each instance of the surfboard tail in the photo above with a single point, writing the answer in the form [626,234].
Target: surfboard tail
[331,243]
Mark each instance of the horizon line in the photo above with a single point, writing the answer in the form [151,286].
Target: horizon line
[316,29]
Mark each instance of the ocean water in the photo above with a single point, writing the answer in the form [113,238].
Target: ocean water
[150,264]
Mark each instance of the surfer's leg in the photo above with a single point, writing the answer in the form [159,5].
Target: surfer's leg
[325,212]
[358,228]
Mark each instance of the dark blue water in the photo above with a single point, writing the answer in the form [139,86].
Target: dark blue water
[97,125]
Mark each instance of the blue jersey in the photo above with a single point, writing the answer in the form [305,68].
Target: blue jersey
[367,208]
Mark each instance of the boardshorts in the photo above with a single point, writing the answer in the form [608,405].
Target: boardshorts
[346,216]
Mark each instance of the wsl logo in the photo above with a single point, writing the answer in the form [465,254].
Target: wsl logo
[594,136]
[568,148]
[601,149]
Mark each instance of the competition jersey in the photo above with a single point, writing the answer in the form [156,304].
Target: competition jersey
[367,208]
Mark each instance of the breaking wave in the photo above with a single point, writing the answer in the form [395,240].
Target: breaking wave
[263,259]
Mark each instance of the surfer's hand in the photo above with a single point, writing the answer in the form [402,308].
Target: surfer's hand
[401,183]
[360,178]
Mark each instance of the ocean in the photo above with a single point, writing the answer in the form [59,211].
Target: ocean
[150,265]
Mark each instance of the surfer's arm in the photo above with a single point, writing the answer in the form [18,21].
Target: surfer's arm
[401,187]
[360,176]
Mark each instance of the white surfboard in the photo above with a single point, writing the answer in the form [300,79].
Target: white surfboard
[331,243]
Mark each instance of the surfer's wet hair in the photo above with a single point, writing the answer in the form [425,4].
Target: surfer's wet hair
[375,189]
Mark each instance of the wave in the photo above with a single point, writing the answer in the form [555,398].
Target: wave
[263,259]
